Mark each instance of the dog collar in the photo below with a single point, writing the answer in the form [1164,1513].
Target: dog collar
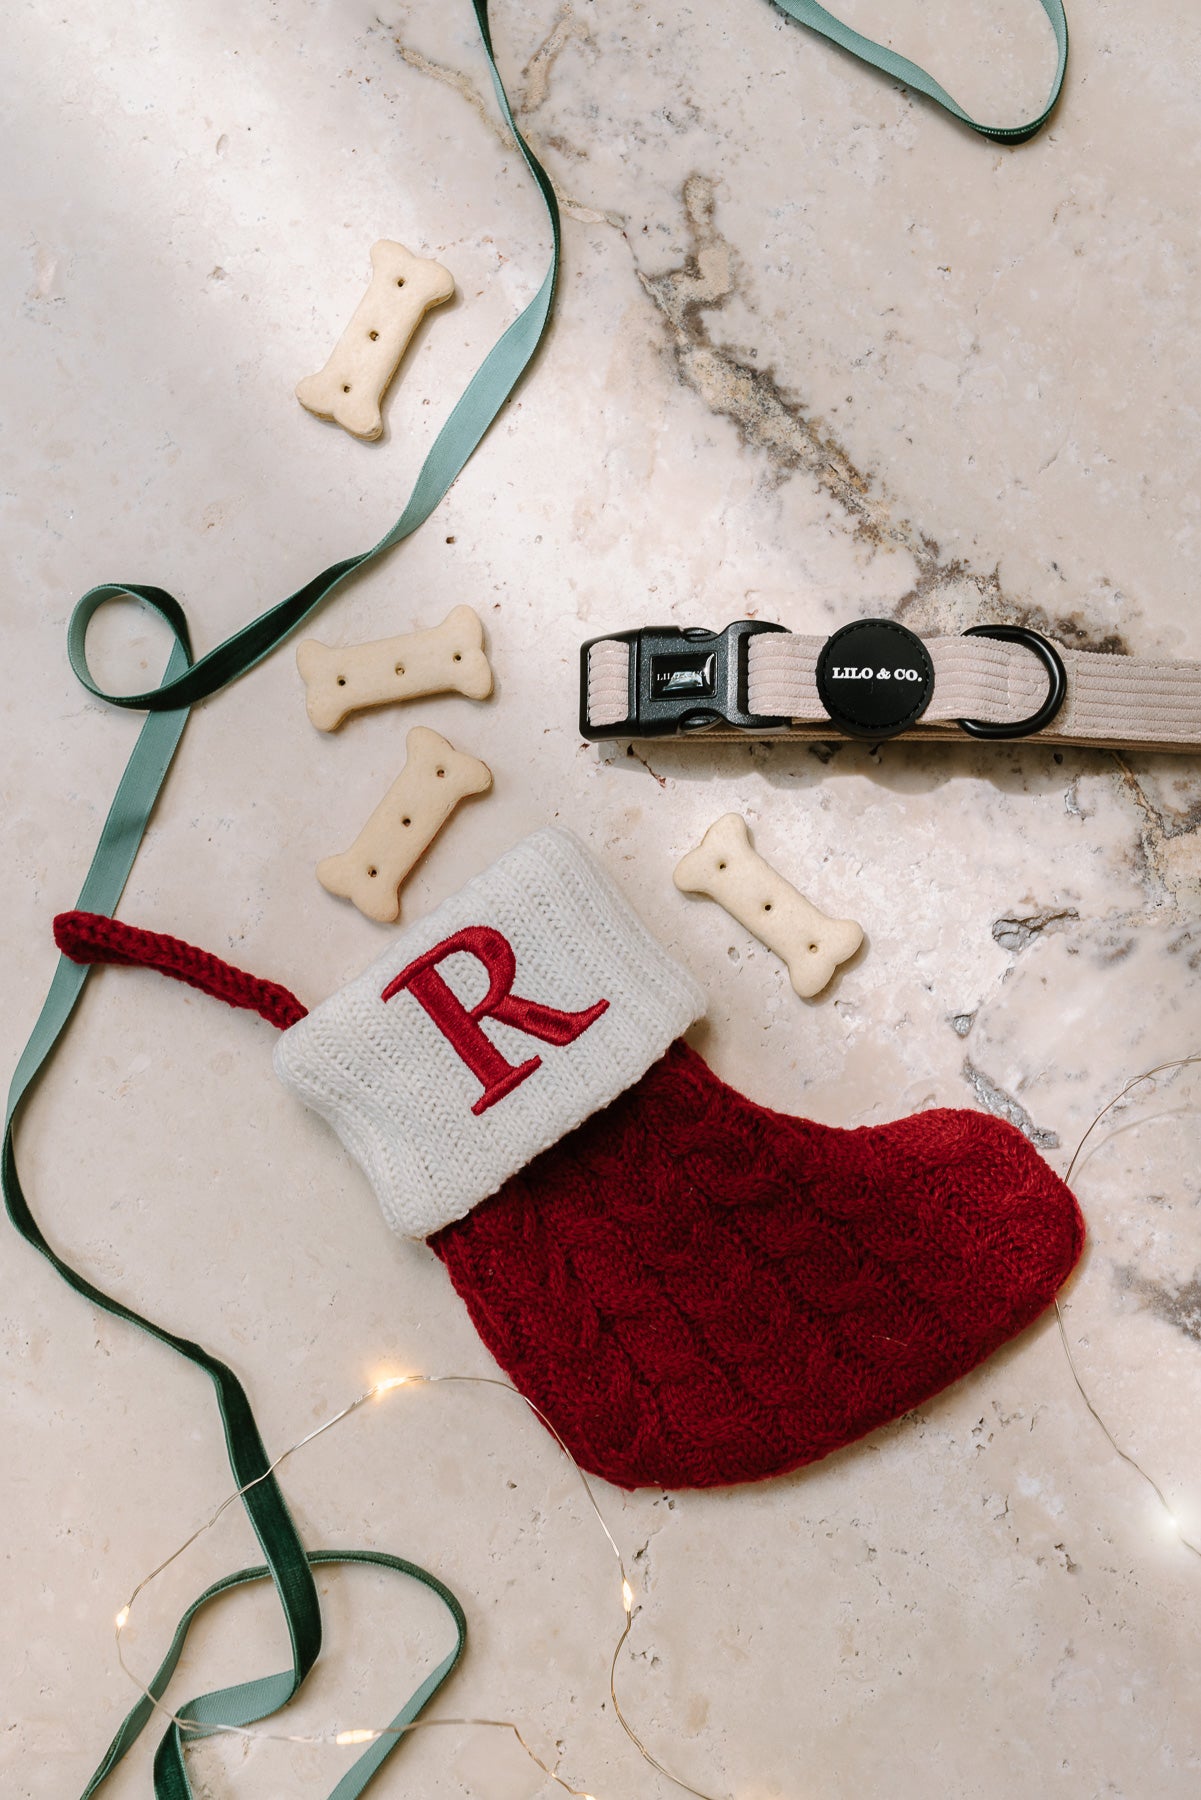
[876,679]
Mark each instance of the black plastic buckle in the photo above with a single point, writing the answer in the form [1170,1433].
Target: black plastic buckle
[1057,682]
[682,680]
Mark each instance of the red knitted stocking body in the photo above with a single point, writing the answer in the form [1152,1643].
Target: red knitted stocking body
[697,1290]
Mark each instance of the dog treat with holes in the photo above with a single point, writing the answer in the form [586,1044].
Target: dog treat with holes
[349,388]
[434,779]
[447,658]
[726,868]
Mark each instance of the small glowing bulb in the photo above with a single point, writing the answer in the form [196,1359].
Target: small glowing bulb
[122,1618]
[388,1383]
[356,1737]
[627,1595]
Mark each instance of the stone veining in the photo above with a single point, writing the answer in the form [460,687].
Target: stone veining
[1177,1303]
[995,1100]
[536,74]
[1017,932]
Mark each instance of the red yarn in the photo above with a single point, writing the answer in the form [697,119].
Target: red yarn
[699,1291]
[93,938]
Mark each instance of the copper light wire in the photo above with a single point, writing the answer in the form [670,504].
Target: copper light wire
[387,1384]
[1180,1062]
[368,1734]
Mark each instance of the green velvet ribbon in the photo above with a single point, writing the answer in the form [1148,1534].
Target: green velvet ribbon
[185,681]
[808,12]
[251,1701]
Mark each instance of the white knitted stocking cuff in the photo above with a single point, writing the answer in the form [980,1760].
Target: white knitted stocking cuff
[524,1003]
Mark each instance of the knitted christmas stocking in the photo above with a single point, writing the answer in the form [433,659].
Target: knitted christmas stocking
[693,1289]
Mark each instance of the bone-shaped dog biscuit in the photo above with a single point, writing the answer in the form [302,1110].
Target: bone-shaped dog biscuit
[366,356]
[447,657]
[725,867]
[434,779]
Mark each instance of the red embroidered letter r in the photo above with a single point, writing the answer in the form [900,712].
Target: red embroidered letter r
[460,1025]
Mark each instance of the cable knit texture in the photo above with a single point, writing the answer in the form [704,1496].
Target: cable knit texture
[444,1069]
[697,1290]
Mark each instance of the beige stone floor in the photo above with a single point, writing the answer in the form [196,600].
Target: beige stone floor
[819,353]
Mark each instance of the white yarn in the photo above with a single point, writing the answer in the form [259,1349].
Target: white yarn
[397,1092]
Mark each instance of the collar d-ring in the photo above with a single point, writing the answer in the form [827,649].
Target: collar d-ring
[1057,683]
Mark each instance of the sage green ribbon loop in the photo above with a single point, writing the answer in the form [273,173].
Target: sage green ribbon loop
[119,841]
[250,1701]
[288,1565]
[808,12]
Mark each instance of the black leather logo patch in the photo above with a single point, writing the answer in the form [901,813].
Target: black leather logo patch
[874,678]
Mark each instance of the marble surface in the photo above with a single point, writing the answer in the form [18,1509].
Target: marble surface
[818,353]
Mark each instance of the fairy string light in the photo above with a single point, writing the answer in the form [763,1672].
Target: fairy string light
[1179,1062]
[359,1735]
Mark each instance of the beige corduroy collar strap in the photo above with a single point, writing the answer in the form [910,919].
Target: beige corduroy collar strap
[875,679]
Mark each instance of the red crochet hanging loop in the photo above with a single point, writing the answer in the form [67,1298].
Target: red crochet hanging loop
[85,937]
